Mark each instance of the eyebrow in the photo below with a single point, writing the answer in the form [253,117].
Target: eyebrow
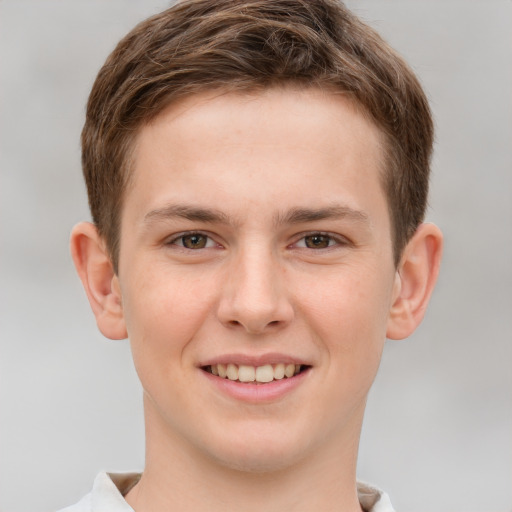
[187,212]
[292,216]
[304,215]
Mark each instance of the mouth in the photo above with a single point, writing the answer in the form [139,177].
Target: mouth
[247,374]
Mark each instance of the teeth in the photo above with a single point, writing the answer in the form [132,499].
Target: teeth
[279,371]
[246,373]
[221,370]
[232,372]
[289,370]
[263,374]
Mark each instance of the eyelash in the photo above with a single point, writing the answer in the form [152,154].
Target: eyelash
[332,240]
[190,234]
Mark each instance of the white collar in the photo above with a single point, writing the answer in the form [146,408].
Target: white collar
[109,488]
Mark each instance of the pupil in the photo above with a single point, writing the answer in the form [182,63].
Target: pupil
[194,241]
[317,241]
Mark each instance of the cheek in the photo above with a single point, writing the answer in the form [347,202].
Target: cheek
[163,313]
[348,318]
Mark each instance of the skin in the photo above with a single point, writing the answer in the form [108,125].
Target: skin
[280,191]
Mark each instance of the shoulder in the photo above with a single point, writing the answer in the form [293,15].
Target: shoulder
[107,494]
[373,499]
[84,505]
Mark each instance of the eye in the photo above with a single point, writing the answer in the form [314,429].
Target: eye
[193,241]
[319,241]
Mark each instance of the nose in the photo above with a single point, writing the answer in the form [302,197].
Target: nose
[254,296]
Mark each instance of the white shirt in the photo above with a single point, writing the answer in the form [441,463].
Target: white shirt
[108,490]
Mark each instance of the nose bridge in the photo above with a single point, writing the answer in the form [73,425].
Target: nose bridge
[255,293]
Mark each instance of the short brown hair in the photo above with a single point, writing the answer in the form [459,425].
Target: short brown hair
[200,45]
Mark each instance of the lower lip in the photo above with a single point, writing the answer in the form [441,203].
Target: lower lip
[257,393]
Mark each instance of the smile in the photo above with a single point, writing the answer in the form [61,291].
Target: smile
[255,374]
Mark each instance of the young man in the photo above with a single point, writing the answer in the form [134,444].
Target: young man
[257,175]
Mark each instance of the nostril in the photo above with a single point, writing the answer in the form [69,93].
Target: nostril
[252,328]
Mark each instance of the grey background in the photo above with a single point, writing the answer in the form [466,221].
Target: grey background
[438,432]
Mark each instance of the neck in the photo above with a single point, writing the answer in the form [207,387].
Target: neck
[177,477]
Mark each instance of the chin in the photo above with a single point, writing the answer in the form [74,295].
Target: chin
[258,454]
[256,463]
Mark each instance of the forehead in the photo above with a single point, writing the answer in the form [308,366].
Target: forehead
[290,111]
[275,144]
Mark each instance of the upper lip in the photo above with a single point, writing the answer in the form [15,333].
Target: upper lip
[253,360]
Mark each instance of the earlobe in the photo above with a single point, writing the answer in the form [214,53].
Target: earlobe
[101,284]
[415,280]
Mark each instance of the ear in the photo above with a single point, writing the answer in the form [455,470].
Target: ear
[414,281]
[101,285]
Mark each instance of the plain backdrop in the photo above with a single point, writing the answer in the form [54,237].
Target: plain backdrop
[438,431]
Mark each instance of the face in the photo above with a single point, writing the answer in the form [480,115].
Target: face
[256,241]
